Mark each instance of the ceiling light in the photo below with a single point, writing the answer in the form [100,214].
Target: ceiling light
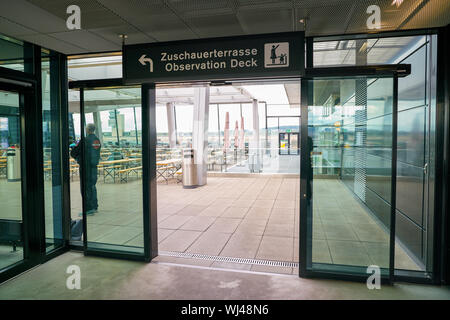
[397,3]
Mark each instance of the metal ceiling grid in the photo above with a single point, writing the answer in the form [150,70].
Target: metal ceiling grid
[43,21]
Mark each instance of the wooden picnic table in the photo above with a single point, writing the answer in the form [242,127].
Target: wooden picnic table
[168,161]
[119,161]
[111,166]
[169,166]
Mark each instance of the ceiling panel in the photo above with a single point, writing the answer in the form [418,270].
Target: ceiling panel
[49,42]
[153,18]
[31,16]
[167,20]
[84,38]
[112,34]
[216,26]
[266,21]
[13,29]
[93,13]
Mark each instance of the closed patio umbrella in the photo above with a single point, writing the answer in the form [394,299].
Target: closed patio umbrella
[236,135]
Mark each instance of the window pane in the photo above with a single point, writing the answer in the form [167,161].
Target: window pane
[350,157]
[113,169]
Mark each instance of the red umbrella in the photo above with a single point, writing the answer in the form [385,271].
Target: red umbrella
[236,135]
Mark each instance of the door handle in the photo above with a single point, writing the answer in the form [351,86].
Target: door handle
[425,168]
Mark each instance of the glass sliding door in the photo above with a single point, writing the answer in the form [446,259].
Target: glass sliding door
[111,169]
[11,219]
[348,169]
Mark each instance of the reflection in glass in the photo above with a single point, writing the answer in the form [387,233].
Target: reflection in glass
[351,204]
[11,227]
[112,168]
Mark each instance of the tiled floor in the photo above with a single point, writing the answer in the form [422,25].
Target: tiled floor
[233,217]
[345,233]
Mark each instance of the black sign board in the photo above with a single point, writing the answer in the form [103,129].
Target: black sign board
[244,57]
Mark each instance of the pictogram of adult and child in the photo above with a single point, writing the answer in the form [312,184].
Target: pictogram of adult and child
[276,54]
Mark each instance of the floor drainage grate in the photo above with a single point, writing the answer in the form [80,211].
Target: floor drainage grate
[229,259]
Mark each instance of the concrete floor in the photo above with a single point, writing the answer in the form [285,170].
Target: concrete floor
[103,278]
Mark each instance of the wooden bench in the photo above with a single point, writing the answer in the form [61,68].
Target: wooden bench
[179,175]
[3,169]
[123,174]
[111,171]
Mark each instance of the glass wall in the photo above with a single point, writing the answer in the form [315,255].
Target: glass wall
[112,169]
[11,227]
[51,143]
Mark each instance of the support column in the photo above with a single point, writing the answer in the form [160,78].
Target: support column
[254,149]
[200,133]
[171,130]
[98,125]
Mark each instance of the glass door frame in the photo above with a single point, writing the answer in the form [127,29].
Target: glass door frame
[306,175]
[148,170]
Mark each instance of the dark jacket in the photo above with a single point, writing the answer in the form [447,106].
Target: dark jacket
[92,154]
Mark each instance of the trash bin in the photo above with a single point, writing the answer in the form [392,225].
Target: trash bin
[253,163]
[13,164]
[189,169]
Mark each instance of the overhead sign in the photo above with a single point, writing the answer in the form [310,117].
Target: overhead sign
[259,56]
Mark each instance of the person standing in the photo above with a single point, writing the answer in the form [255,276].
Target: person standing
[92,157]
[273,54]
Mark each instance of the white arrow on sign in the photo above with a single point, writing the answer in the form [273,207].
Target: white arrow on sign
[143,60]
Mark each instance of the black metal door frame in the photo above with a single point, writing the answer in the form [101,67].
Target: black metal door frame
[32,193]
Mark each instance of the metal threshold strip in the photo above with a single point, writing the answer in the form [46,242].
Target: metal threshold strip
[260,262]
